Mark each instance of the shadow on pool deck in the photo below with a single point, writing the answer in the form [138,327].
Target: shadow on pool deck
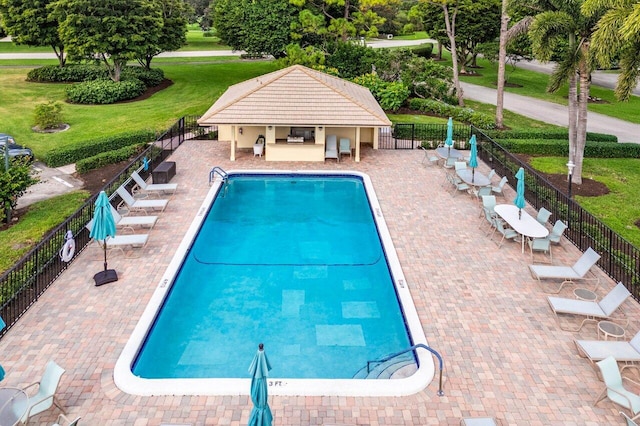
[504,354]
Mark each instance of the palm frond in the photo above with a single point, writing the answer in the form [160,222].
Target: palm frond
[519,28]
[629,72]
[606,40]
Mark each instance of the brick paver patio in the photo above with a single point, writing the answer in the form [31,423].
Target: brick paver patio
[504,354]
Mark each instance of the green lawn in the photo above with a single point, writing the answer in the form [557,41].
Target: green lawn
[41,218]
[418,35]
[619,209]
[195,88]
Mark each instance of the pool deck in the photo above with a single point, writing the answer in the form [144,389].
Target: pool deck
[505,355]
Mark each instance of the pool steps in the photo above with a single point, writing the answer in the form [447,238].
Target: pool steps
[386,369]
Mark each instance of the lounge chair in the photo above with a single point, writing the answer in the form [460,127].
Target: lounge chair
[153,188]
[568,274]
[45,397]
[331,148]
[345,147]
[614,387]
[140,205]
[119,242]
[129,222]
[626,352]
[592,311]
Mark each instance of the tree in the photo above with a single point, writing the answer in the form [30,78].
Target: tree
[115,31]
[256,26]
[13,183]
[617,36]
[548,31]
[30,22]
[450,30]
[174,30]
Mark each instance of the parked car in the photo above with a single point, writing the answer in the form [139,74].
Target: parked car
[15,150]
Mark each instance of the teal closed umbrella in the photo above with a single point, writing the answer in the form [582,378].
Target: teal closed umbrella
[519,200]
[104,227]
[2,325]
[259,369]
[449,140]
[473,158]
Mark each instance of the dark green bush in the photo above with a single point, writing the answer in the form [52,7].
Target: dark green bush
[106,158]
[547,134]
[424,51]
[105,91]
[467,115]
[62,156]
[560,148]
[150,78]
[68,74]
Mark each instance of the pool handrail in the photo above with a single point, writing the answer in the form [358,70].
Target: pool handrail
[419,345]
[219,171]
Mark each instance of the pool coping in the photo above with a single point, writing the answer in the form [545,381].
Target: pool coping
[126,381]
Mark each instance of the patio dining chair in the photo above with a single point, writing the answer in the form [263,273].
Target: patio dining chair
[345,147]
[429,158]
[556,233]
[542,245]
[450,162]
[507,233]
[45,397]
[614,387]
[543,216]
[499,189]
[460,165]
[491,174]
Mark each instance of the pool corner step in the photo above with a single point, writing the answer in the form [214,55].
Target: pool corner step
[386,370]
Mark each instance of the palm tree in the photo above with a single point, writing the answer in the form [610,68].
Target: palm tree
[617,35]
[548,31]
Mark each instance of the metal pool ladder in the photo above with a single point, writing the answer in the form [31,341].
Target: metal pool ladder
[220,172]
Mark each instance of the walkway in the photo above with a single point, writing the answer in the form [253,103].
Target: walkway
[504,354]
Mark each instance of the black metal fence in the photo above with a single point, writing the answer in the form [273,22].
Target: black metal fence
[619,258]
[410,136]
[22,285]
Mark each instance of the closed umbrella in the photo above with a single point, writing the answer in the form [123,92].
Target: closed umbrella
[473,158]
[104,227]
[259,369]
[2,325]
[449,140]
[519,200]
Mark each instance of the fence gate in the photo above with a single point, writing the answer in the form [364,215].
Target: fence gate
[387,137]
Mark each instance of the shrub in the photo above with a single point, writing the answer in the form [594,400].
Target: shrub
[467,115]
[106,158]
[560,148]
[391,96]
[424,51]
[68,74]
[547,134]
[48,115]
[150,78]
[105,91]
[62,156]
[208,34]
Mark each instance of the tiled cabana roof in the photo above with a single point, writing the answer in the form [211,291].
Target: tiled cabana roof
[296,96]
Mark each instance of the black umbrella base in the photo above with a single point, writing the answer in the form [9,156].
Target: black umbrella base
[105,277]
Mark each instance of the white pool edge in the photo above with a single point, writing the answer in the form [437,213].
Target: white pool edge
[127,382]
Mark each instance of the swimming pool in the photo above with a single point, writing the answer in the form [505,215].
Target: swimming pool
[316,275]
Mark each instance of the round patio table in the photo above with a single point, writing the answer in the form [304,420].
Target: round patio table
[444,152]
[13,405]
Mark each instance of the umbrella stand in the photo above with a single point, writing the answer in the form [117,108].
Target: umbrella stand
[107,275]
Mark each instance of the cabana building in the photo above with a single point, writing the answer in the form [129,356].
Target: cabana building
[288,115]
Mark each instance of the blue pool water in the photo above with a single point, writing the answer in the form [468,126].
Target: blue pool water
[292,261]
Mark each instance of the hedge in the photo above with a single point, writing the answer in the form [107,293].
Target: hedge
[106,158]
[61,156]
[423,51]
[105,91]
[547,134]
[75,73]
[560,148]
[466,115]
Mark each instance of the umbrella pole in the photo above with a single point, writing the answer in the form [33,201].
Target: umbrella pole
[105,255]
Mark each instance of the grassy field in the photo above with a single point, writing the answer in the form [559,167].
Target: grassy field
[195,88]
[41,218]
[619,209]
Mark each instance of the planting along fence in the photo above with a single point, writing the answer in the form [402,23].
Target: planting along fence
[22,285]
